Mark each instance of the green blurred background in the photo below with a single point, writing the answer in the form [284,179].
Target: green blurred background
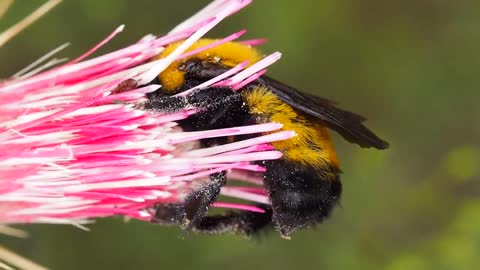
[411,66]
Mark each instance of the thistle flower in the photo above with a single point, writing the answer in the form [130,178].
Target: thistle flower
[73,148]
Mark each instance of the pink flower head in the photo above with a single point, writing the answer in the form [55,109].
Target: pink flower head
[72,148]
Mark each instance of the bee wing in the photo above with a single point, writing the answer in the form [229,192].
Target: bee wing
[346,123]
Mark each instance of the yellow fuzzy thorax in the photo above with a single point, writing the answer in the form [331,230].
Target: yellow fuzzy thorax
[228,54]
[311,147]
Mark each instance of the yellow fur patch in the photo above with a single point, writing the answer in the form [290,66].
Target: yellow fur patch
[311,147]
[228,54]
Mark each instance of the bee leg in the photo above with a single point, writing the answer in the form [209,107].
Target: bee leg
[192,213]
[197,202]
[245,223]
[195,206]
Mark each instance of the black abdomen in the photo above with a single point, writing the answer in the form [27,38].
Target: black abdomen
[300,196]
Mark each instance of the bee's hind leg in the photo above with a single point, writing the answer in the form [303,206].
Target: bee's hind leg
[191,214]
[246,223]
[195,206]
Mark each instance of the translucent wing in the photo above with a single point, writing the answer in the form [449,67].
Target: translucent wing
[346,123]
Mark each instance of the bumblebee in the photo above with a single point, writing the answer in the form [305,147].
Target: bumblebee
[303,186]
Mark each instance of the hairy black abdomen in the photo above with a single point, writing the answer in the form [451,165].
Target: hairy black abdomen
[300,196]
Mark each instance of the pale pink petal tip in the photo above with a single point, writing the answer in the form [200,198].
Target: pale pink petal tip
[254,42]
[240,79]
[249,195]
[73,147]
[238,206]
[217,80]
[260,65]
[100,44]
